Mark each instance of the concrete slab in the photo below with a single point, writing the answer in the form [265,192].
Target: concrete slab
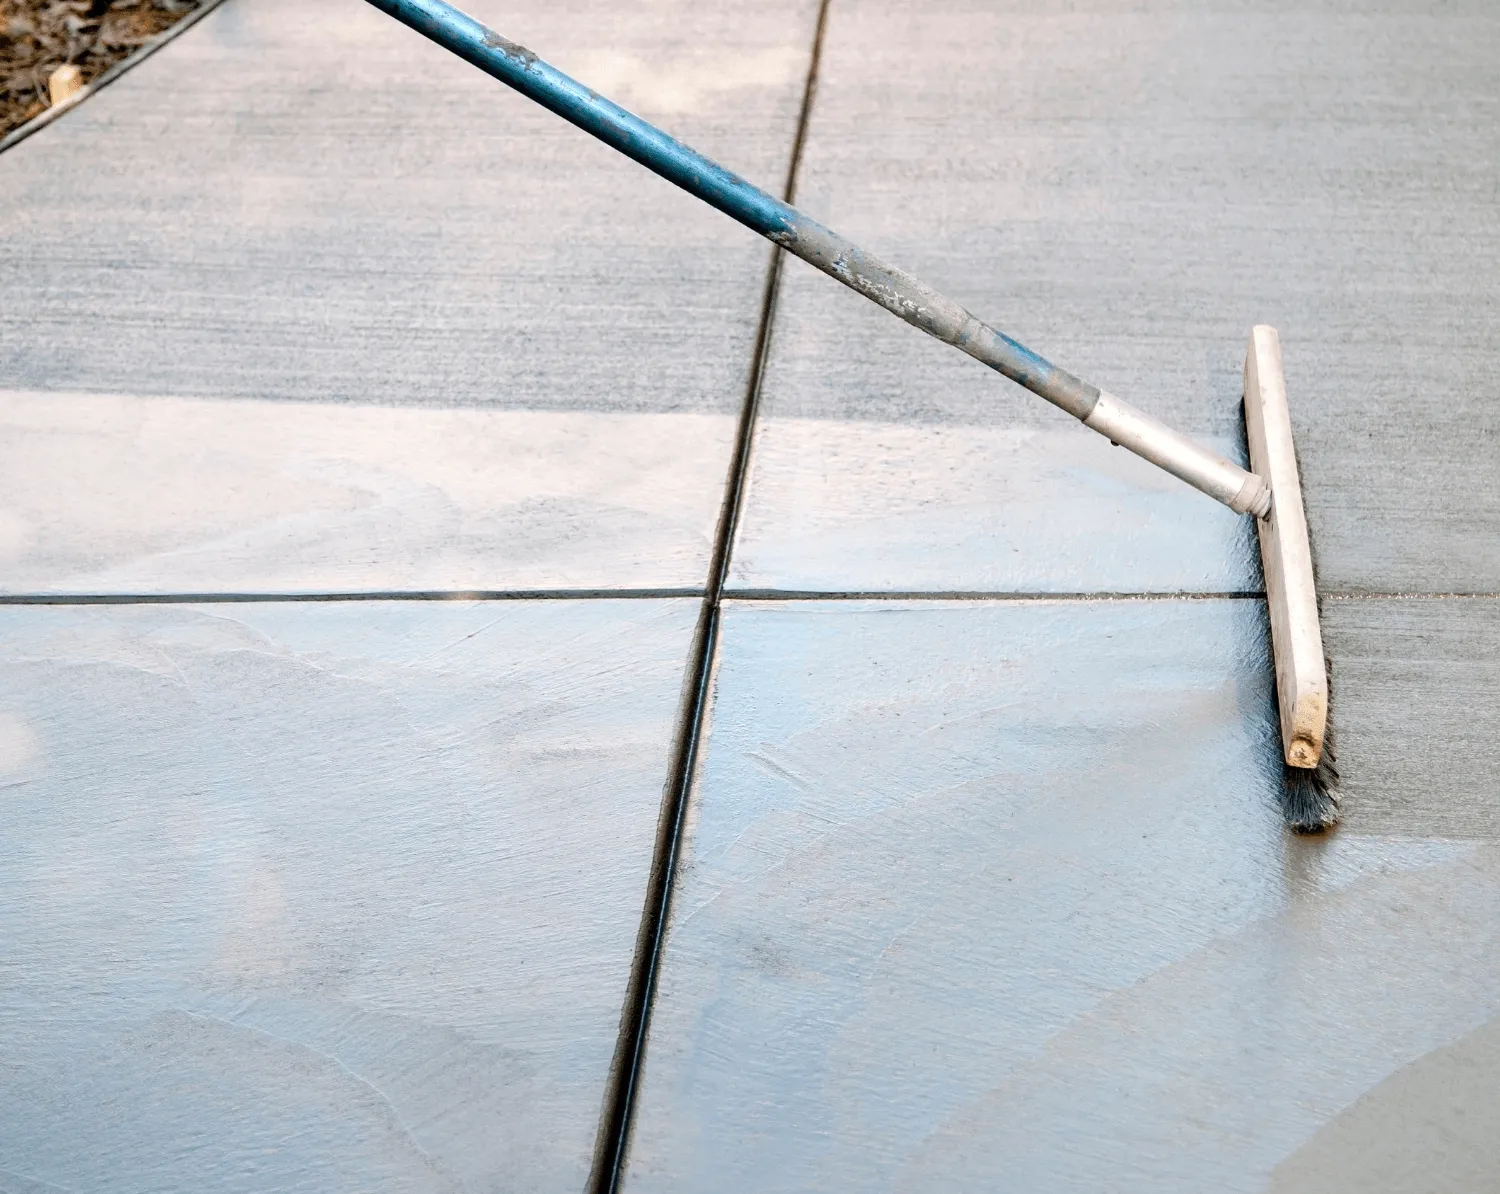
[312,203]
[1416,685]
[322,896]
[118,494]
[996,895]
[1128,191]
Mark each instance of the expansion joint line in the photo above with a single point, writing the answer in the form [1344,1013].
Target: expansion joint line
[635,1018]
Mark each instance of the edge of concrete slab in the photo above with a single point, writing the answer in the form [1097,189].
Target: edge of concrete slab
[41,121]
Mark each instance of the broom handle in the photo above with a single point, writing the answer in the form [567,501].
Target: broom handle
[896,291]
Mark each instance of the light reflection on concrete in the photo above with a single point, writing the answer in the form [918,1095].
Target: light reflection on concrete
[112,494]
[996,895]
[322,896]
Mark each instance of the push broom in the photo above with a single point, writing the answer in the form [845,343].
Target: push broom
[1271,492]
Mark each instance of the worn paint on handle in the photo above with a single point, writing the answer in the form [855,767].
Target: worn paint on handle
[896,291]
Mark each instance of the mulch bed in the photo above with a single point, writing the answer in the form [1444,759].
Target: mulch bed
[38,36]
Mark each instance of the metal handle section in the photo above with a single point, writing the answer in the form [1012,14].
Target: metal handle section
[1242,491]
[895,290]
[936,314]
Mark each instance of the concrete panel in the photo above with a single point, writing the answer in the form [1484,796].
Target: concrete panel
[322,896]
[1416,687]
[996,895]
[310,201]
[1127,189]
[116,494]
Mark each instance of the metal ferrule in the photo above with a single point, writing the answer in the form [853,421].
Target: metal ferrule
[1239,489]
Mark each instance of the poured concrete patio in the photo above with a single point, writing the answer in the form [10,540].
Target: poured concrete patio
[366,435]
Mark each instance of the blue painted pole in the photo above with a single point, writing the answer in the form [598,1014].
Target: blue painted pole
[779,222]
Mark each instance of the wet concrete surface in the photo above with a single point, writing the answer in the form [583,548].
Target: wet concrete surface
[996,895]
[322,896]
[975,894]
[1431,1127]
[1127,189]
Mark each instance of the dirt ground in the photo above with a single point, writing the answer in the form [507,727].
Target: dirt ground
[38,36]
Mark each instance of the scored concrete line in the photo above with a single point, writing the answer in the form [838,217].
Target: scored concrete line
[372,595]
[1074,595]
[772,595]
[615,1125]
[761,595]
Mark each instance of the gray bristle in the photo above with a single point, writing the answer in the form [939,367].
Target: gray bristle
[1308,795]
[1307,798]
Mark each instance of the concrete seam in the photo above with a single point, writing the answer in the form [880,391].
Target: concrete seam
[617,1113]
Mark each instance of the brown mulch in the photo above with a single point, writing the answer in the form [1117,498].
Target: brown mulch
[38,36]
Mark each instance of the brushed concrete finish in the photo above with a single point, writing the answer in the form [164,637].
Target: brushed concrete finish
[1416,704]
[322,896]
[117,494]
[310,201]
[866,506]
[997,896]
[1127,189]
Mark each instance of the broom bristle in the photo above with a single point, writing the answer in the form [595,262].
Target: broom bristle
[1309,796]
